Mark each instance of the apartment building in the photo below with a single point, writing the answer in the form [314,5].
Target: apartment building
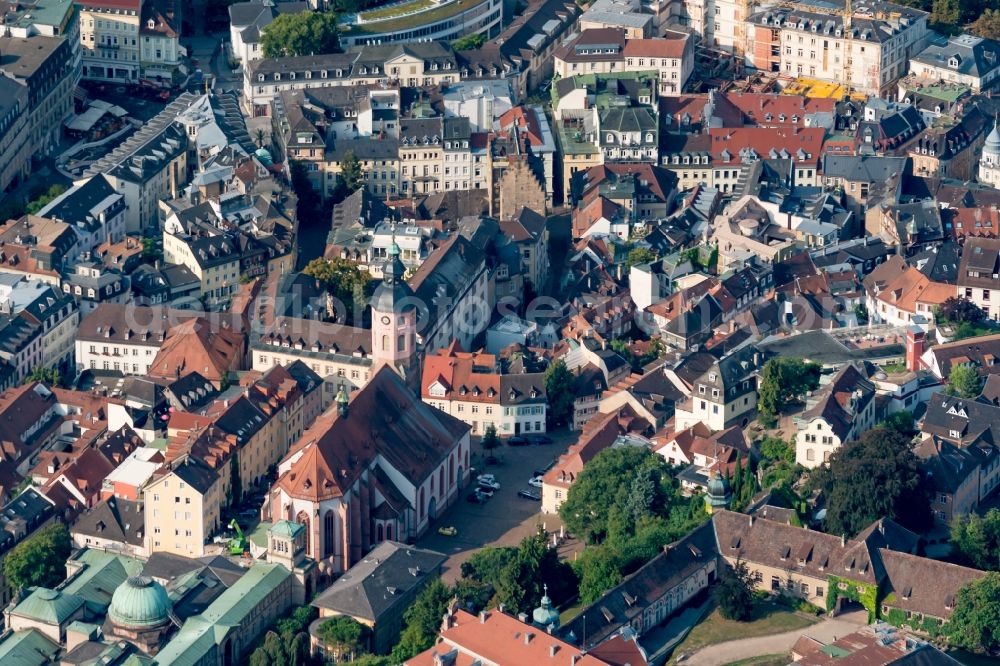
[978,274]
[870,49]
[109,36]
[15,132]
[182,509]
[470,387]
[161,53]
[843,410]
[124,338]
[214,259]
[46,66]
[607,50]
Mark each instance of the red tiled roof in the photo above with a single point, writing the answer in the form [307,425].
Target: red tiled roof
[195,345]
[762,140]
[656,47]
[498,638]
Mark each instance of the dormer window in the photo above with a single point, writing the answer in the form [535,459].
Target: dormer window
[151,24]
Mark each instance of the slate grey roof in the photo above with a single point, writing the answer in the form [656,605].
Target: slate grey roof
[862,168]
[381,580]
[630,119]
[116,519]
[964,54]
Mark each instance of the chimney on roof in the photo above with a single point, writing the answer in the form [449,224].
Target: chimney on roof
[843,540]
[482,617]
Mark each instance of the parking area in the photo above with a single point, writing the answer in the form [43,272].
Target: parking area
[505,518]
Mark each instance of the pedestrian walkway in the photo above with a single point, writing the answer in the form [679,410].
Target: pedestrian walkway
[825,632]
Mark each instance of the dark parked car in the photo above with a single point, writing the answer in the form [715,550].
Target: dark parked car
[517,440]
[530,493]
[539,439]
[476,498]
[542,470]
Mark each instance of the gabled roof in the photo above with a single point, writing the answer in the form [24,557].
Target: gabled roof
[380,581]
[197,345]
[848,394]
[384,419]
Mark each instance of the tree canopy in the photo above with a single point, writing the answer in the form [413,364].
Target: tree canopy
[734,592]
[784,380]
[627,501]
[958,310]
[975,622]
[873,477]
[350,172]
[348,283]
[518,575]
[964,381]
[976,539]
[40,559]
[560,390]
[987,25]
[345,634]
[49,376]
[422,620]
[639,255]
[302,33]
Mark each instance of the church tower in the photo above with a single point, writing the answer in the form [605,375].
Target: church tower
[394,317]
[989,162]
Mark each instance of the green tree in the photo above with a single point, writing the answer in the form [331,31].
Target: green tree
[422,621]
[976,539]
[987,25]
[40,559]
[599,570]
[490,439]
[734,592]
[639,255]
[946,15]
[958,310]
[350,172]
[975,622]
[873,477]
[777,449]
[784,380]
[44,200]
[151,250]
[45,375]
[469,42]
[345,281]
[964,381]
[345,635]
[901,422]
[560,391]
[605,480]
[303,33]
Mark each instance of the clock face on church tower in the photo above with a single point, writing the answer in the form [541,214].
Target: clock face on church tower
[385,319]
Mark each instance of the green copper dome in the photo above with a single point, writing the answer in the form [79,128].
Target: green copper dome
[718,491]
[545,615]
[140,602]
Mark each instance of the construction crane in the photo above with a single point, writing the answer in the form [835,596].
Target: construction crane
[848,47]
[239,544]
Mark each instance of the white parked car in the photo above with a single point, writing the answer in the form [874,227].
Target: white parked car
[486,477]
[535,481]
[491,484]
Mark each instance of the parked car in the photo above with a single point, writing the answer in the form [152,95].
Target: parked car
[485,491]
[535,481]
[518,440]
[538,440]
[530,493]
[476,498]
[542,470]
[487,479]
[491,484]
[447,530]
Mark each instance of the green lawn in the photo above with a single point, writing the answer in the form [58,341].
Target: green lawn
[566,616]
[395,10]
[767,619]
[764,660]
